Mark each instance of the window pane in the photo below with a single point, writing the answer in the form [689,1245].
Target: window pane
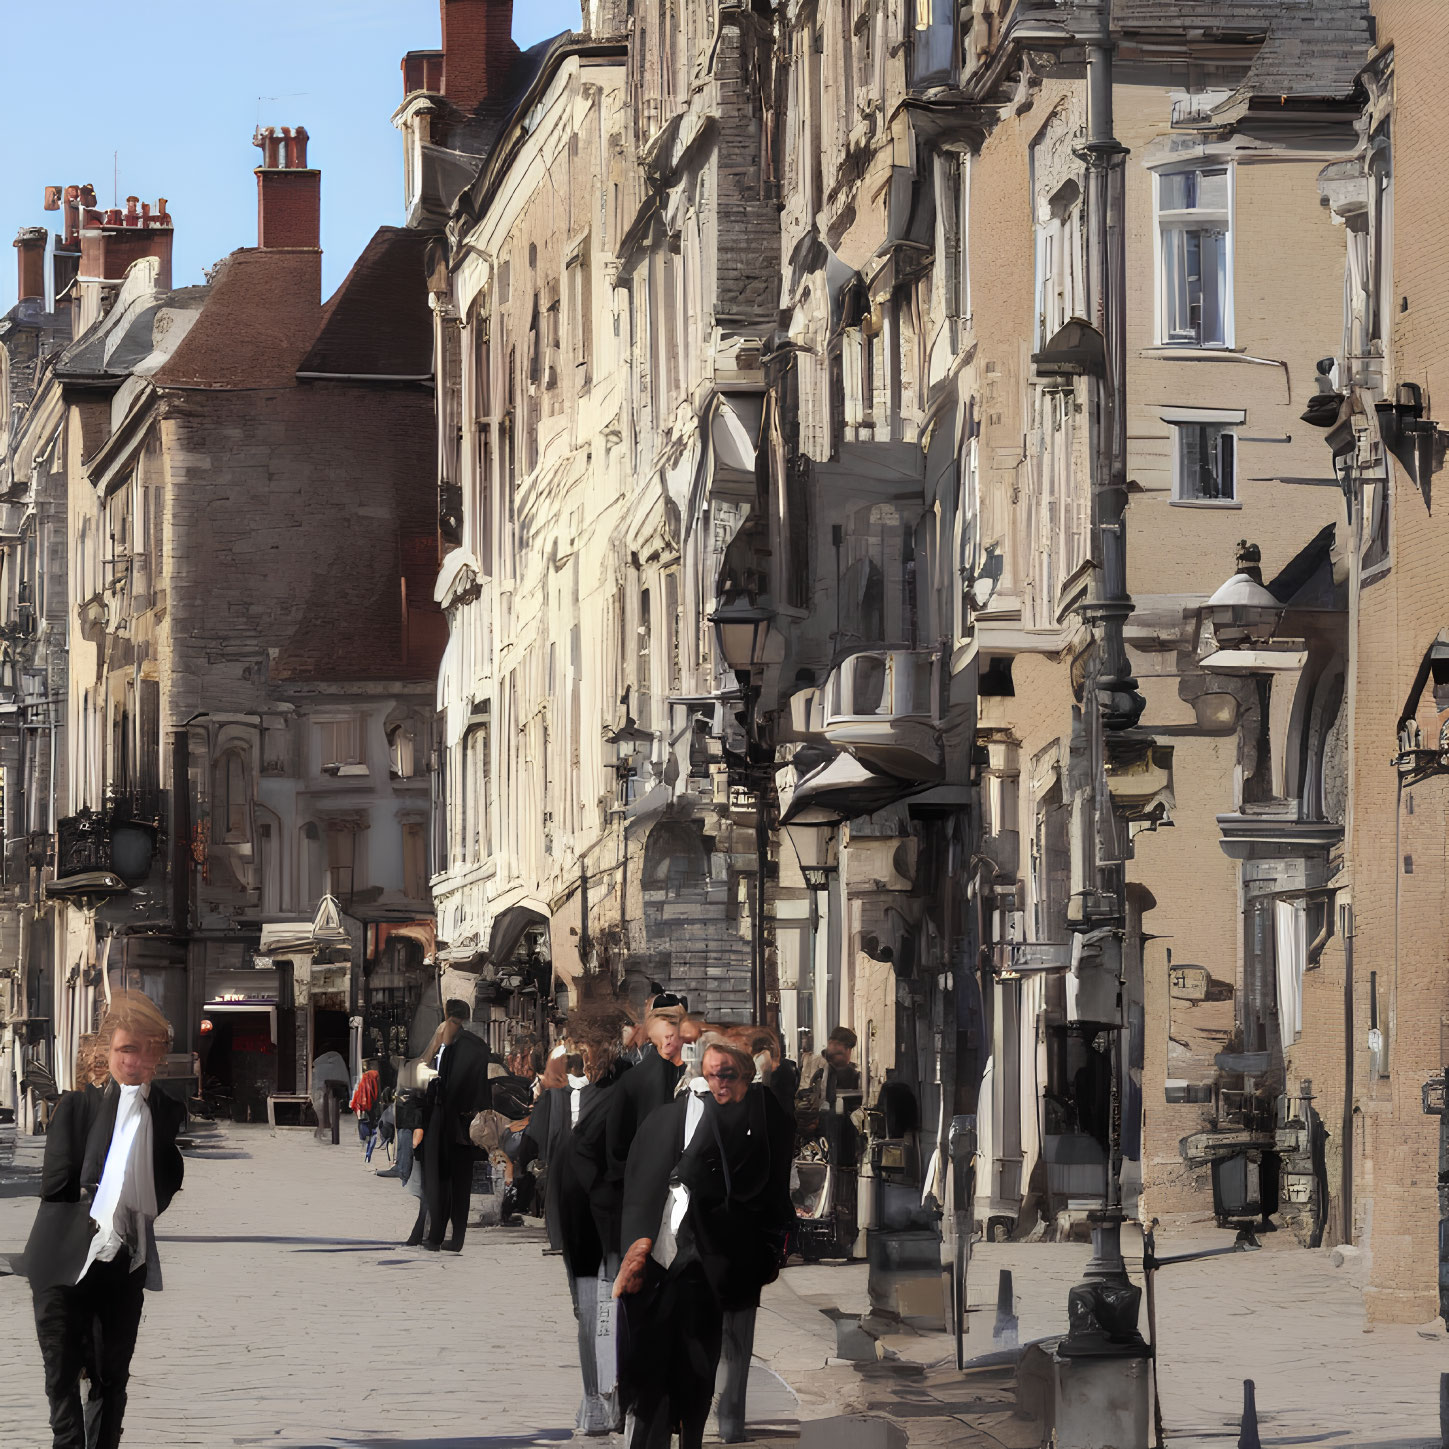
[1195,276]
[1212,190]
[1213,281]
[1178,190]
[1175,298]
[867,684]
[1205,463]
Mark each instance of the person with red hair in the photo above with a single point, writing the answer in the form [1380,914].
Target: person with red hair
[705,1217]
[111,1169]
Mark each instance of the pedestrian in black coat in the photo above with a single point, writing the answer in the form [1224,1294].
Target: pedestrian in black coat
[448,1150]
[574,1170]
[706,1209]
[648,1086]
[111,1168]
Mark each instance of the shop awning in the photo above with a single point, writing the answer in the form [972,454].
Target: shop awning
[848,788]
[735,430]
[508,928]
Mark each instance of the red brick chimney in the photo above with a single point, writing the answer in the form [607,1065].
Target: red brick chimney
[422,71]
[289,194]
[478,51]
[111,240]
[30,244]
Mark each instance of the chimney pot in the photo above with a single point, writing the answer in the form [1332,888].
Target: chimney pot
[289,194]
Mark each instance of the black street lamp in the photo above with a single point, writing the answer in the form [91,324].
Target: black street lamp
[742,633]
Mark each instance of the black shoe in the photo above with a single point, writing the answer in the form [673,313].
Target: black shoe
[412,1242]
[428,1245]
[451,1247]
[387,1172]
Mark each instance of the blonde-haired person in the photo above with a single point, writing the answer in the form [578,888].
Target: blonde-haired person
[111,1169]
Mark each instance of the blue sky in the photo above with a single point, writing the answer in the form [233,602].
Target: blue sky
[169,92]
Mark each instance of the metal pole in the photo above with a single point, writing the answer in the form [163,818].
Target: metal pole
[1104,1306]
[757,926]
[1345,1192]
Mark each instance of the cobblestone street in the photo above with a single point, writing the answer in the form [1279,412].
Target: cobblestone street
[291,1317]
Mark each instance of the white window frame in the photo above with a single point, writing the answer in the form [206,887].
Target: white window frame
[1178,220]
[1230,420]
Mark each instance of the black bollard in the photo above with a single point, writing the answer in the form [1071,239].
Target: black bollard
[1444,1411]
[1248,1434]
[1006,1325]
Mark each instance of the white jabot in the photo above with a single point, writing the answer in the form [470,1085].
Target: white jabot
[125,1202]
[576,1088]
[676,1205]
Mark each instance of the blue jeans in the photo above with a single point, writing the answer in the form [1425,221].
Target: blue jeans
[404,1153]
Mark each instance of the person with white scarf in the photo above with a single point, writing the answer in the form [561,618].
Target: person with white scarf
[111,1169]
[705,1217]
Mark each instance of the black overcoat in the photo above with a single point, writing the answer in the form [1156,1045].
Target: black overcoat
[76,1144]
[737,1169]
[582,1203]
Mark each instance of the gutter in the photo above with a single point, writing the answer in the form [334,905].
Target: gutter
[365,377]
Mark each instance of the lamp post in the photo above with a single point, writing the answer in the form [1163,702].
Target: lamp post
[1103,1308]
[742,632]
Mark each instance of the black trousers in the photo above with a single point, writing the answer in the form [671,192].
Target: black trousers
[447,1185]
[90,1326]
[669,1356]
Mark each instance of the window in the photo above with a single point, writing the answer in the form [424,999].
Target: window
[953,185]
[1205,464]
[580,302]
[1061,286]
[341,861]
[415,862]
[933,43]
[402,750]
[477,837]
[1194,233]
[234,806]
[339,742]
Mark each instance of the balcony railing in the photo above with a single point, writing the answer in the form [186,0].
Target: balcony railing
[120,839]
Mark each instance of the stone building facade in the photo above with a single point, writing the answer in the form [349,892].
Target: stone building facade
[1387,447]
[245,545]
[826,639]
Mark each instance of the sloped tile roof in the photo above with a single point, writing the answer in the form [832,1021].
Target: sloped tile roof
[378,321]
